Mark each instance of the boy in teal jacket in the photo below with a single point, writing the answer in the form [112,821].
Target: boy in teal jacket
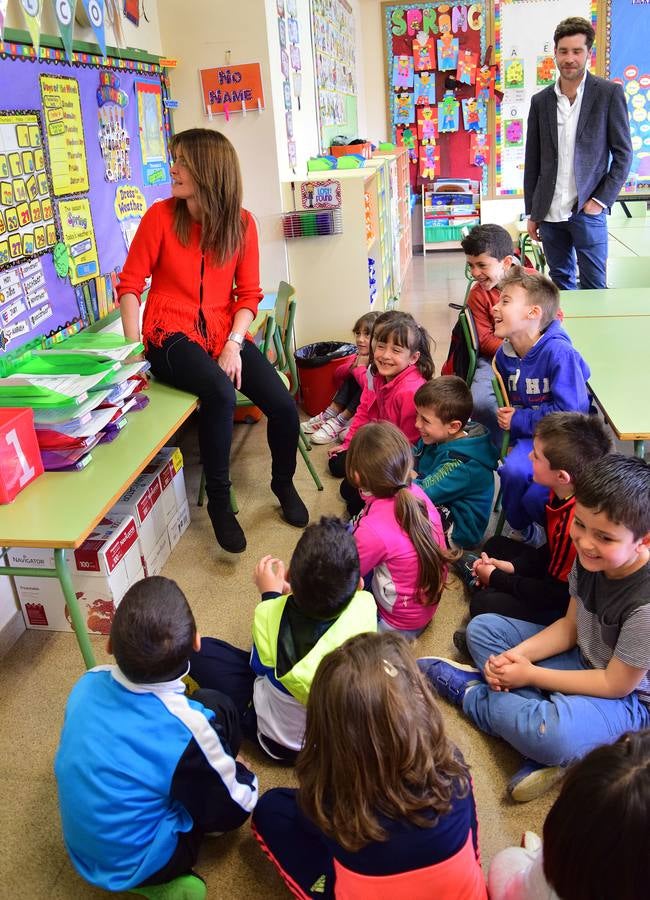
[455,459]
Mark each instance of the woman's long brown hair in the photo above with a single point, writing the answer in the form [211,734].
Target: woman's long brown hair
[212,162]
[382,458]
[375,744]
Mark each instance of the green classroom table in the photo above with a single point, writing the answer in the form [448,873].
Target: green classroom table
[628,273]
[615,348]
[616,250]
[601,303]
[60,509]
[635,239]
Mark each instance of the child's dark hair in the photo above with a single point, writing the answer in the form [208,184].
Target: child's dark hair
[448,396]
[597,833]
[571,440]
[153,631]
[491,239]
[383,459]
[365,323]
[575,25]
[324,568]
[618,486]
[375,744]
[405,332]
[540,291]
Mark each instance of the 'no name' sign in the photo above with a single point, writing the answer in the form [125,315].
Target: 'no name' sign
[231,86]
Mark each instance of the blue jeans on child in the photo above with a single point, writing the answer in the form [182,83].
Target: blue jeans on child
[522,499]
[550,728]
[485,403]
[583,237]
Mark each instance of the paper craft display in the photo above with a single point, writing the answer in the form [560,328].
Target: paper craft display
[486,77]
[65,134]
[114,139]
[153,145]
[130,206]
[23,294]
[26,215]
[448,114]
[94,10]
[424,88]
[479,149]
[64,12]
[403,71]
[474,114]
[514,132]
[429,160]
[406,137]
[424,52]
[32,12]
[448,48]
[404,109]
[513,73]
[79,235]
[467,65]
[428,124]
[545,71]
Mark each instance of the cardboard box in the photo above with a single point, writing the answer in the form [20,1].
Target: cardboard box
[143,501]
[178,525]
[167,464]
[102,570]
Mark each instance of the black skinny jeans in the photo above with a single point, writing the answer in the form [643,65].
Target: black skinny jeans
[185,365]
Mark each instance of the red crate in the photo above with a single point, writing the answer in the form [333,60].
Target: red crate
[20,458]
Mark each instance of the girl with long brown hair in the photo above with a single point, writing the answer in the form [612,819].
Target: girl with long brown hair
[384,807]
[399,533]
[200,248]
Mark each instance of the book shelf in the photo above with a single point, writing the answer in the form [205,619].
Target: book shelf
[449,205]
[400,209]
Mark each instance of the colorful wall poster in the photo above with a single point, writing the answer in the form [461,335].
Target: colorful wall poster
[130,206]
[24,303]
[424,88]
[79,236]
[333,33]
[27,226]
[114,139]
[153,143]
[65,134]
[403,71]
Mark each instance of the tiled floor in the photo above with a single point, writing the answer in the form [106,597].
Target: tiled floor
[37,675]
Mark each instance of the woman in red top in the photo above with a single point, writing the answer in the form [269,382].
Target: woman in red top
[201,250]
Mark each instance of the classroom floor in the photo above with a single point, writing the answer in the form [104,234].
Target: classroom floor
[39,672]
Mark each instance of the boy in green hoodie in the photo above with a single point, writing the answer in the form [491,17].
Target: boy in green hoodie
[455,459]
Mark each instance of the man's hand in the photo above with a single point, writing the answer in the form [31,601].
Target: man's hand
[504,415]
[591,208]
[230,362]
[270,575]
[533,231]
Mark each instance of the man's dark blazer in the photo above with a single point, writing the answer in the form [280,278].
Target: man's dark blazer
[603,152]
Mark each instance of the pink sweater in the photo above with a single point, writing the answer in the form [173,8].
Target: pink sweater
[386,548]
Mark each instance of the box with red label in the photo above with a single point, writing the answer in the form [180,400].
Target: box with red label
[102,570]
[20,458]
[167,464]
[143,501]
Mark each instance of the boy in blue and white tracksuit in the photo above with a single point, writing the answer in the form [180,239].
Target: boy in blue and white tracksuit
[142,771]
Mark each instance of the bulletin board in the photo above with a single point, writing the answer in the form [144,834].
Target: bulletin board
[523,37]
[628,62]
[333,35]
[83,153]
[430,49]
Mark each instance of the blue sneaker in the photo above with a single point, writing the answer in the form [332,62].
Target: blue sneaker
[533,780]
[450,679]
[464,569]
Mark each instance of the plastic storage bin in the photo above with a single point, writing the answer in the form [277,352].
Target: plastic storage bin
[20,458]
[316,364]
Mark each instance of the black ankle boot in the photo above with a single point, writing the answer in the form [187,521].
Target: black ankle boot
[227,529]
[293,509]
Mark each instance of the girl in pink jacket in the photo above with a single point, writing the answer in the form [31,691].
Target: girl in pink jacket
[399,534]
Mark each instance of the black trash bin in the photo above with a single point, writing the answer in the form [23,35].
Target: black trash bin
[316,364]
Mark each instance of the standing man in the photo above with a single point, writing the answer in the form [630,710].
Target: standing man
[578,155]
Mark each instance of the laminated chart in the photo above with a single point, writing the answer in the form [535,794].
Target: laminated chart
[65,135]
[79,237]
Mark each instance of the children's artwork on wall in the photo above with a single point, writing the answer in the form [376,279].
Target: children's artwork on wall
[403,71]
[153,144]
[545,71]
[114,139]
[282,33]
[289,124]
[132,11]
[293,31]
[513,73]
[296,63]
[130,206]
[65,134]
[286,92]
[424,88]
[474,114]
[333,32]
[79,235]
[479,149]
[448,49]
[406,137]
[428,124]
[486,77]
[279,5]
[284,63]
[27,225]
[429,161]
[467,65]
[514,132]
[424,55]
[292,153]
[448,113]
[404,109]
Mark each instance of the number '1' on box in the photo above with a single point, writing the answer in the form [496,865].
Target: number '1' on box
[20,458]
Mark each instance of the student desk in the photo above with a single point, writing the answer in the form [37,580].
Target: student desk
[60,509]
[636,239]
[615,347]
[598,304]
[629,273]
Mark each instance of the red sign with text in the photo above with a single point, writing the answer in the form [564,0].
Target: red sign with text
[231,86]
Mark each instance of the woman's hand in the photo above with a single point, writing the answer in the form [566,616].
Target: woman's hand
[230,362]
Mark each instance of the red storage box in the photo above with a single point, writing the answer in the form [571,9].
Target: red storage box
[364,150]
[20,458]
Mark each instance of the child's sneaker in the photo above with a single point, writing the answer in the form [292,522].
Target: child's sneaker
[464,568]
[343,434]
[328,432]
[459,640]
[185,887]
[533,780]
[451,679]
[316,422]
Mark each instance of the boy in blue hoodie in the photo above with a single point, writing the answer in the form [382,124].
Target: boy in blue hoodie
[542,373]
[454,458]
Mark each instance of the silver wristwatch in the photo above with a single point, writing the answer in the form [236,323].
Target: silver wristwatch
[236,337]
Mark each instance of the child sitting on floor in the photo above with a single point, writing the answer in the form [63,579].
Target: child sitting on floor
[596,836]
[555,693]
[294,626]
[454,458]
[398,533]
[143,773]
[542,373]
[384,808]
[350,378]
